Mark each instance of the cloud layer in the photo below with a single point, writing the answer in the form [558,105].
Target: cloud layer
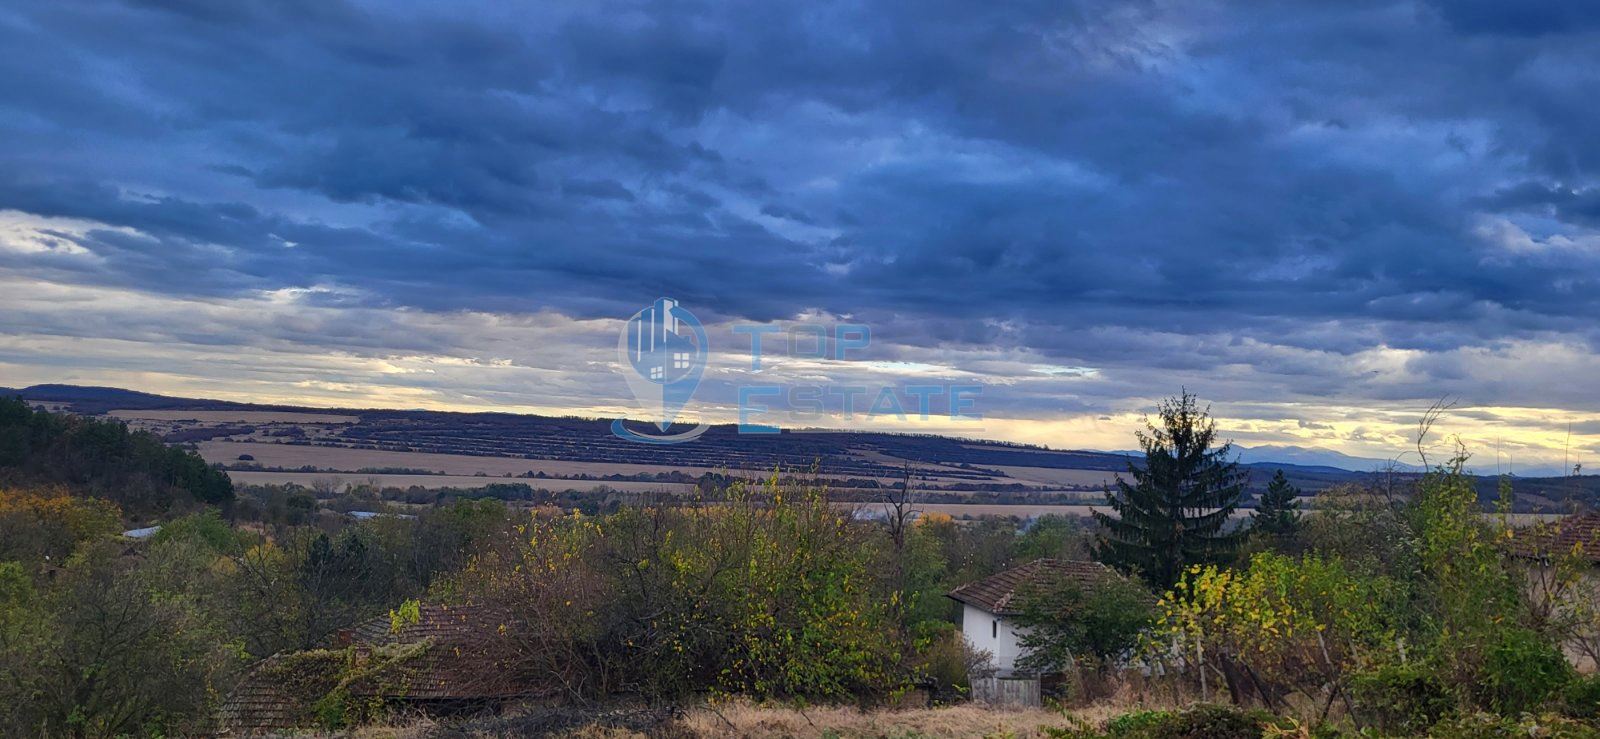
[1321,216]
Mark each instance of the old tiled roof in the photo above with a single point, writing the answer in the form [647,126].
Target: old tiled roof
[455,662]
[433,622]
[1577,534]
[996,593]
[258,706]
[459,664]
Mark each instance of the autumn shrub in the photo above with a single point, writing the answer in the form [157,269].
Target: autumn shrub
[1289,623]
[1462,610]
[1364,528]
[1473,604]
[542,576]
[767,591]
[205,528]
[1216,722]
[48,523]
[810,618]
[1201,721]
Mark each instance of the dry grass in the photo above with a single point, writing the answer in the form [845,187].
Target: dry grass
[740,719]
[743,720]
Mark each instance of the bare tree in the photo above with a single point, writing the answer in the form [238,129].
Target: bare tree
[327,487]
[900,506]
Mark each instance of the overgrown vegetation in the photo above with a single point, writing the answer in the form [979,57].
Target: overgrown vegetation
[1401,611]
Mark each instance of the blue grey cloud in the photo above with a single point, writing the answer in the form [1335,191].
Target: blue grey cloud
[1061,178]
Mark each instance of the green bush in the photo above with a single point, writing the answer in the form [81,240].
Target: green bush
[1214,722]
[1197,722]
[1069,624]
[1401,698]
[205,528]
[1138,723]
[1580,698]
[1075,729]
[1521,672]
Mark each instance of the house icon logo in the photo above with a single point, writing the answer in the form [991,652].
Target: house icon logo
[662,352]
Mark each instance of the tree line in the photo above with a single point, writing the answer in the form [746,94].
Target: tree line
[103,458]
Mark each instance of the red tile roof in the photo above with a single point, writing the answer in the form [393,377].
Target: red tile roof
[1577,534]
[996,593]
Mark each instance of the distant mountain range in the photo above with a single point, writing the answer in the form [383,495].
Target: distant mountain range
[1313,457]
[1271,455]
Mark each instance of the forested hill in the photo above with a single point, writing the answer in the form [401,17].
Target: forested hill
[860,454]
[590,439]
[104,459]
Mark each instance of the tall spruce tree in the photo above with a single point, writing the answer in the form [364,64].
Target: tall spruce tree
[1277,512]
[1175,512]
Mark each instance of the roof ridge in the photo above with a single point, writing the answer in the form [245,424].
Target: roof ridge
[995,592]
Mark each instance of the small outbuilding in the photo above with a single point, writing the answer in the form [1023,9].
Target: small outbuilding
[990,606]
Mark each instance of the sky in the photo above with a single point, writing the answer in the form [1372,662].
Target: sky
[1321,218]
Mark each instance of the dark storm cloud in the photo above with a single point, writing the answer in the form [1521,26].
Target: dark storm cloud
[1329,178]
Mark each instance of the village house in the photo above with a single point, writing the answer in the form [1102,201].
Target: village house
[990,606]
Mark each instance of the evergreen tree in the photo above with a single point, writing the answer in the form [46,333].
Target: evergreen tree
[1277,512]
[1174,513]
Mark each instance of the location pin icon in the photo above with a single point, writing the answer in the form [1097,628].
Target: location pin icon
[665,348]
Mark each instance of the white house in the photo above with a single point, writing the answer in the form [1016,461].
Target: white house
[989,607]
